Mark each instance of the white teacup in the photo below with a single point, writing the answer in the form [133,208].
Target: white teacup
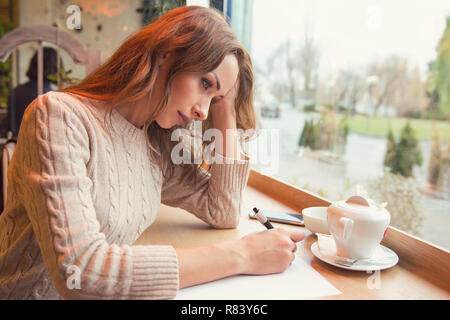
[316,219]
[357,225]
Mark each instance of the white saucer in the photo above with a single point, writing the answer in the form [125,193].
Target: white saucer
[390,260]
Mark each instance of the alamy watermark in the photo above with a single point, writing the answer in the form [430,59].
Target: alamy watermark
[374,281]
[74,279]
[74,19]
[262,149]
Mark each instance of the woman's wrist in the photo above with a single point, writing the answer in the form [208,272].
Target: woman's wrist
[208,263]
[235,251]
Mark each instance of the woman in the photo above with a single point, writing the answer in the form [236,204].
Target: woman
[83,189]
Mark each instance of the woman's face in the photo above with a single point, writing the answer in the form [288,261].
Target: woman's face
[192,93]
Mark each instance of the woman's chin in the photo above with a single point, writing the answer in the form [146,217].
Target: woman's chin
[164,124]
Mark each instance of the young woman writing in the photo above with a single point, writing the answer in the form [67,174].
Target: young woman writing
[93,163]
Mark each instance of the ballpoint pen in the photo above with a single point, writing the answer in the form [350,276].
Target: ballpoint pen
[261,218]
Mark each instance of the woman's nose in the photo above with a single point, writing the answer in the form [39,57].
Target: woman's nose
[201,112]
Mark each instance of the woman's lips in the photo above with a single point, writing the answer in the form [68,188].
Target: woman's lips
[182,118]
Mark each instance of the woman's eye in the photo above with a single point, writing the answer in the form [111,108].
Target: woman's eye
[206,83]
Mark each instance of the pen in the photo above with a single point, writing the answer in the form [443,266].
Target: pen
[261,218]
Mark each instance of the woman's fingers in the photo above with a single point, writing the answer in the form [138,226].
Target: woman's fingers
[271,251]
[296,235]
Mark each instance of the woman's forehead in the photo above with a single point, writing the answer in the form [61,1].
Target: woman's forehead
[227,73]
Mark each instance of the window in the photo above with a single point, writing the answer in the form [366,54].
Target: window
[358,95]
[348,93]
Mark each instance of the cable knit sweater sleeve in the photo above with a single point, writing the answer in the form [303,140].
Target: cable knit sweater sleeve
[54,148]
[214,197]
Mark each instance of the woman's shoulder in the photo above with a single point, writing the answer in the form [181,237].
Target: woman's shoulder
[57,111]
[62,103]
[61,99]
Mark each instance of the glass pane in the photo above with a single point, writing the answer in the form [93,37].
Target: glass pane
[358,95]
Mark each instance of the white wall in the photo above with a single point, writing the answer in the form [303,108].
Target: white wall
[117,23]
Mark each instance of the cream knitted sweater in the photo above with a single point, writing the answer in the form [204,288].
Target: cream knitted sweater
[79,197]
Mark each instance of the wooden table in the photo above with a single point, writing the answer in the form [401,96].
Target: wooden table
[404,281]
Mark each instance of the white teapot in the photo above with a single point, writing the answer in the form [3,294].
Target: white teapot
[357,225]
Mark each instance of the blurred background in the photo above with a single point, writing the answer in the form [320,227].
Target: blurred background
[358,91]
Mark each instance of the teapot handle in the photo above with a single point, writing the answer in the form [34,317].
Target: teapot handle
[347,228]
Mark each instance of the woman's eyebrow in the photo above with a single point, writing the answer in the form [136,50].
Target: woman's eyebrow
[217,80]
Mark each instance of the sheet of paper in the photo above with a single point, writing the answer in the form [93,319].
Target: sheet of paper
[299,281]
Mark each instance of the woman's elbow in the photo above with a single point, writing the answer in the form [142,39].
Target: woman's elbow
[225,221]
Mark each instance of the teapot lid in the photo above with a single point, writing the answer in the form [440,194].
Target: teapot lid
[358,205]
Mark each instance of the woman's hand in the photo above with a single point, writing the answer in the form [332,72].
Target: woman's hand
[270,251]
[223,111]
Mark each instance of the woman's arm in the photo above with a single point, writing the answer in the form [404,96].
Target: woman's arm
[265,252]
[215,198]
[50,162]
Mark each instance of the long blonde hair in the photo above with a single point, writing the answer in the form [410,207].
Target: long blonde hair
[200,38]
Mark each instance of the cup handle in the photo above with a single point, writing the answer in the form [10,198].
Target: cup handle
[347,228]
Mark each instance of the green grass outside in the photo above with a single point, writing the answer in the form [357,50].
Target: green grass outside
[379,126]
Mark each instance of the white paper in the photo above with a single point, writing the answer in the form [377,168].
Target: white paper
[299,281]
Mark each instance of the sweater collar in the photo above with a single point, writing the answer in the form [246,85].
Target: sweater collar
[123,126]
[119,123]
